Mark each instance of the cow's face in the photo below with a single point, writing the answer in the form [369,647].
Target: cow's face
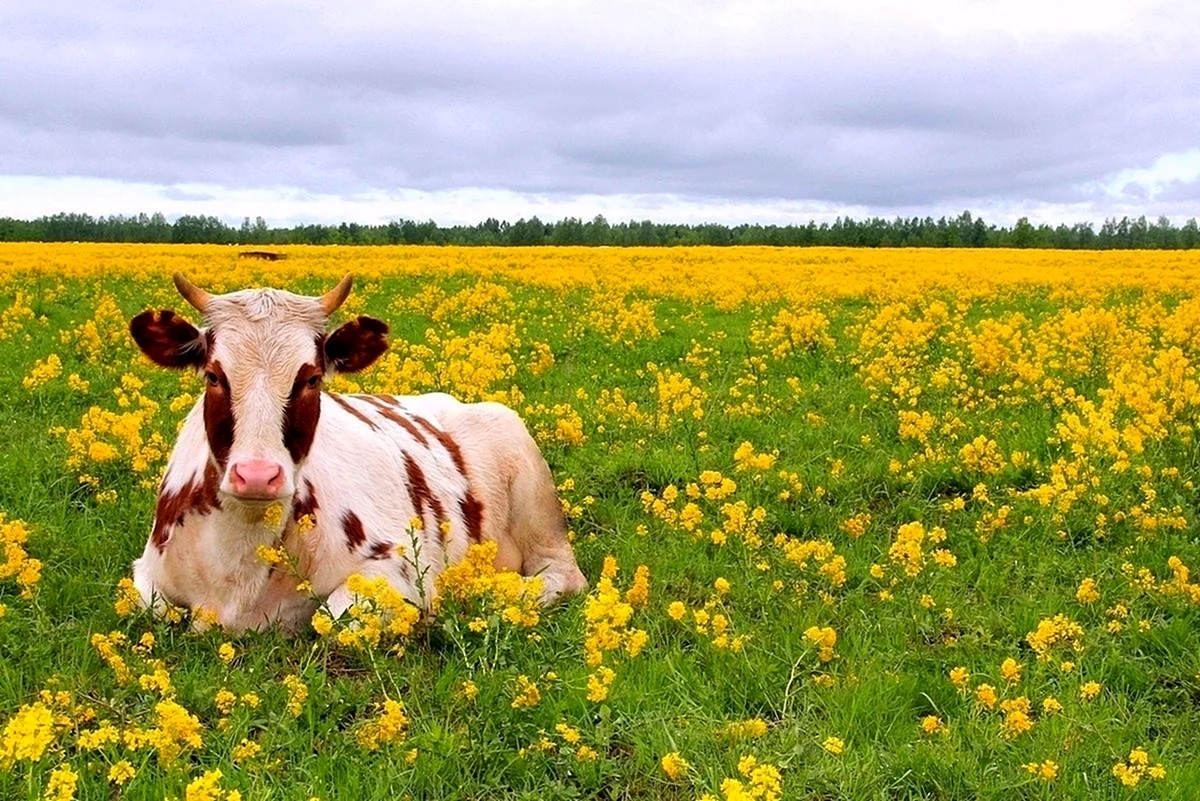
[263,354]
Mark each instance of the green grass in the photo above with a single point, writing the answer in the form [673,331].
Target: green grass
[892,658]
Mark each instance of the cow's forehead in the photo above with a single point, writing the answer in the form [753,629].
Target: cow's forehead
[258,307]
[258,328]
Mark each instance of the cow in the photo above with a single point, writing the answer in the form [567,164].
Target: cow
[375,485]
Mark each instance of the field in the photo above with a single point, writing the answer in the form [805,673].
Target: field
[858,524]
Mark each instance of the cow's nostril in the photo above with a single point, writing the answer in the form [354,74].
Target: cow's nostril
[256,477]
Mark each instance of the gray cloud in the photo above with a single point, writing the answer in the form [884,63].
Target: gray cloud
[815,108]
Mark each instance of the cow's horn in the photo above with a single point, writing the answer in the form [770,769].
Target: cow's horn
[192,293]
[335,297]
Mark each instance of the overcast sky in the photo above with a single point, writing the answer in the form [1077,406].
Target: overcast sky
[689,110]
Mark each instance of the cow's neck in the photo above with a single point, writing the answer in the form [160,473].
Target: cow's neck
[234,533]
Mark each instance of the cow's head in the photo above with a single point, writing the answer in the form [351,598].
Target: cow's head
[263,354]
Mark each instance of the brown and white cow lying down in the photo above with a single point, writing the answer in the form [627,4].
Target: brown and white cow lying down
[363,466]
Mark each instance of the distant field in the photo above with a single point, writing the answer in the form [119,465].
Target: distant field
[914,524]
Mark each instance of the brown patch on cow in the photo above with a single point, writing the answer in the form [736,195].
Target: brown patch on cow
[345,404]
[212,482]
[356,345]
[380,550]
[306,504]
[390,400]
[218,412]
[447,442]
[472,512]
[355,536]
[419,493]
[302,412]
[407,425]
[172,507]
[168,340]
[399,419]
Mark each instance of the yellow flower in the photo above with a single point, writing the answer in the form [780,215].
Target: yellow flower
[297,694]
[106,734]
[960,677]
[834,745]
[824,638]
[1089,690]
[224,701]
[1046,771]
[640,592]
[391,726]
[599,682]
[205,788]
[128,598]
[569,734]
[102,452]
[226,652]
[273,517]
[1055,631]
[121,772]
[674,766]
[176,727]
[1016,722]
[246,749]
[61,785]
[932,724]
[746,729]
[1138,767]
[721,585]
[322,623]
[528,695]
[1011,670]
[676,610]
[269,555]
[27,735]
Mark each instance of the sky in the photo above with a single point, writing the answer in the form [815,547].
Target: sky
[677,111]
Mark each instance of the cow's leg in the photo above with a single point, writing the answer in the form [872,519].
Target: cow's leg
[521,512]
[537,527]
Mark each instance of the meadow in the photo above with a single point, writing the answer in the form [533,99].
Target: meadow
[877,524]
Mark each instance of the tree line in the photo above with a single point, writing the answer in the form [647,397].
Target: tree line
[964,230]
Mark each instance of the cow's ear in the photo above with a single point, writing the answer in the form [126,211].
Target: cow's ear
[356,345]
[169,340]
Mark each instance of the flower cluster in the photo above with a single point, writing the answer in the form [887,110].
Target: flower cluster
[486,595]
[1138,766]
[760,780]
[17,564]
[379,612]
[607,615]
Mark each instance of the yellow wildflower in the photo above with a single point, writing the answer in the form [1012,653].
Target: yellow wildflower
[674,766]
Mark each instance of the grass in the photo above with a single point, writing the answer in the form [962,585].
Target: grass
[833,426]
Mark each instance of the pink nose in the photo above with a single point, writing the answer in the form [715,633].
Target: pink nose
[260,478]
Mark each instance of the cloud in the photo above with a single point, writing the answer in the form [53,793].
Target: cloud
[753,106]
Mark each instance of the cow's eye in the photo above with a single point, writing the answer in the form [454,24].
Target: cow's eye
[314,380]
[212,378]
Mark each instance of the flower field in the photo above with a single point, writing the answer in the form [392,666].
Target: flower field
[858,524]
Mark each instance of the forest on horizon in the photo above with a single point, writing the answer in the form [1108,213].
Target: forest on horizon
[963,231]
